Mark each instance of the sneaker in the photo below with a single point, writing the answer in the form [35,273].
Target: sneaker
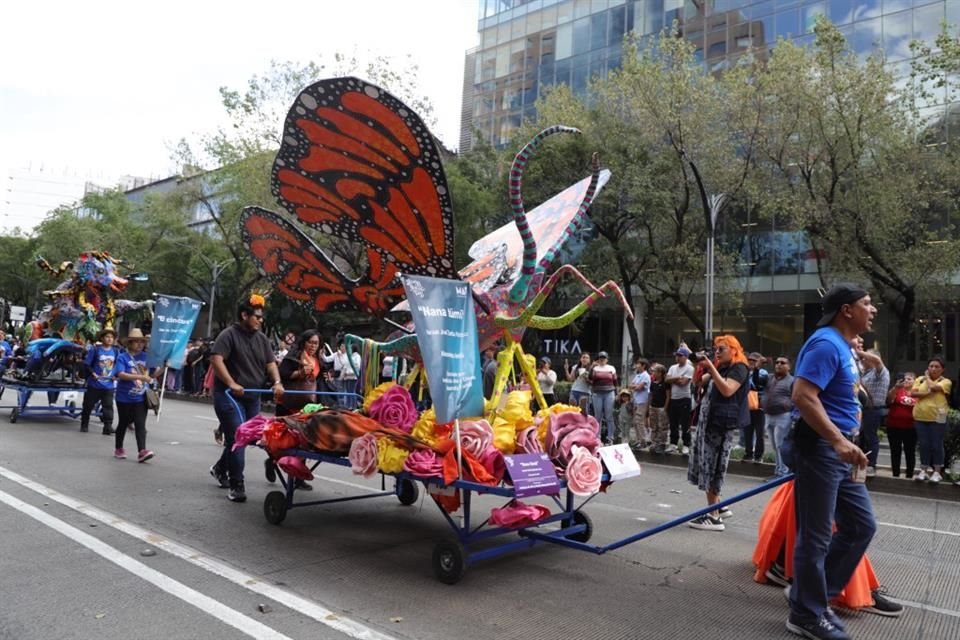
[822,629]
[84,428]
[144,455]
[871,472]
[671,448]
[707,523]
[218,436]
[883,606]
[726,513]
[119,454]
[220,477]
[776,575]
[685,450]
[921,476]
[270,470]
[302,485]
[108,431]
[935,478]
[237,494]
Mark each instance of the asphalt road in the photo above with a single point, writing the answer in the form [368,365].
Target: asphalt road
[96,548]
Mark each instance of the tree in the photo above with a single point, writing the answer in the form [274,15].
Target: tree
[842,154]
[650,120]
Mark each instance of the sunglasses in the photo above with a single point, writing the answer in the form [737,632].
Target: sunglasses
[258,316]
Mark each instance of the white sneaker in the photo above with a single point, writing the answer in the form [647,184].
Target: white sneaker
[935,478]
[921,476]
[871,472]
[725,513]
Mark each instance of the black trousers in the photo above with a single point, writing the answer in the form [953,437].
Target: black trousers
[679,415]
[753,437]
[134,413]
[904,440]
[90,398]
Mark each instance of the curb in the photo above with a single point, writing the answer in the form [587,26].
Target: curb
[880,483]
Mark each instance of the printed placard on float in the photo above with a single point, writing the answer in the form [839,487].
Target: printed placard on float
[446,325]
[532,474]
[619,461]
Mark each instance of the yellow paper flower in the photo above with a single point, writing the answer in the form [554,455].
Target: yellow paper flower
[390,457]
[517,410]
[375,393]
[423,428]
[504,435]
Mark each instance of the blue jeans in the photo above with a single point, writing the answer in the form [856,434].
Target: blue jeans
[823,561]
[603,411]
[869,440]
[777,427]
[231,461]
[930,438]
[348,385]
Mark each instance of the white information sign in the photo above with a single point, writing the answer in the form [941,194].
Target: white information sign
[17,314]
[619,461]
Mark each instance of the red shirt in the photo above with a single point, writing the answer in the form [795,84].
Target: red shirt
[900,415]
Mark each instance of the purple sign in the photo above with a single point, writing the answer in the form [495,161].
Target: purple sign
[532,474]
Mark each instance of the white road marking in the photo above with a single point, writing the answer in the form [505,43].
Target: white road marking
[217,420]
[206,604]
[926,607]
[197,558]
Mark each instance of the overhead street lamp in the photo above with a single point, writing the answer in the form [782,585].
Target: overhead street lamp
[712,205]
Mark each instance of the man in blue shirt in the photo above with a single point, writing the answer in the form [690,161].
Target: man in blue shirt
[825,459]
[100,363]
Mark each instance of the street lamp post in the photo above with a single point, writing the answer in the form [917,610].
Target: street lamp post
[216,270]
[712,205]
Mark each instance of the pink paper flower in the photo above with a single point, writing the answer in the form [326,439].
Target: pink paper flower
[423,462]
[363,455]
[295,467]
[528,441]
[250,431]
[395,409]
[475,437]
[584,471]
[567,430]
[517,514]
[492,461]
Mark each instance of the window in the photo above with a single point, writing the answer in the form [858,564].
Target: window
[598,31]
[581,36]
[564,41]
[617,26]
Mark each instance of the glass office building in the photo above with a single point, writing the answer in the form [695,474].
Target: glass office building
[526,45]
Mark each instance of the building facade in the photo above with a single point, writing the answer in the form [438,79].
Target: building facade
[526,45]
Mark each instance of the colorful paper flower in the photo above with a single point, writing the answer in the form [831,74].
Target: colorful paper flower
[364,455]
[543,417]
[492,460]
[423,462]
[295,467]
[584,471]
[375,393]
[528,441]
[475,436]
[257,300]
[517,514]
[394,409]
[390,456]
[567,430]
[423,428]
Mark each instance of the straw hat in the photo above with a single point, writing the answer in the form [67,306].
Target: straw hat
[105,331]
[135,335]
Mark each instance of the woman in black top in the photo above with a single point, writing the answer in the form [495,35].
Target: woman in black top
[723,411]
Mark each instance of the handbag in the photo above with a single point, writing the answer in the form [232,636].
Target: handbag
[152,399]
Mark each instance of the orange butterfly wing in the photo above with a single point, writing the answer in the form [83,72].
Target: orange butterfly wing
[358,164]
[300,270]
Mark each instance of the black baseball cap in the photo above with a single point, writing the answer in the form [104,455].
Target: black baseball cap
[839,295]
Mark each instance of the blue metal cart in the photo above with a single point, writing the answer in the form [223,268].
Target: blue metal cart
[23,408]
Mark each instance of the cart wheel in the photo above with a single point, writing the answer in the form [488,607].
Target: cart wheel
[407,491]
[579,517]
[14,415]
[275,507]
[449,562]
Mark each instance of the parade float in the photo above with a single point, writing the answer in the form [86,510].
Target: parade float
[82,305]
[356,164]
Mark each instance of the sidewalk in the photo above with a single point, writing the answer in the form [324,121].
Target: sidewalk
[883,482]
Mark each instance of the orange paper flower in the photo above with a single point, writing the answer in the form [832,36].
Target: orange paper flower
[257,300]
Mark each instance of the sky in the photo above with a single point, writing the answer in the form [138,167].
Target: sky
[95,90]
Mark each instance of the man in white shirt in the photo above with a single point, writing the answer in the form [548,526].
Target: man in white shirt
[679,377]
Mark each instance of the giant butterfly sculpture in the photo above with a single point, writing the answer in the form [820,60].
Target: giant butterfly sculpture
[357,164]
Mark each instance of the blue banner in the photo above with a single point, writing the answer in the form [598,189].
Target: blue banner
[173,321]
[447,332]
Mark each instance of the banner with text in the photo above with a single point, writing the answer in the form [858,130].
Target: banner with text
[447,332]
[173,322]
